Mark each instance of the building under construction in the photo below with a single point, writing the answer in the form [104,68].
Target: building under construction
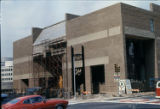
[41,64]
[117,42]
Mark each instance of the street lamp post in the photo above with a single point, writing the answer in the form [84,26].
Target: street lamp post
[74,78]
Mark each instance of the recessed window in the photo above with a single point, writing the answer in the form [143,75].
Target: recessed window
[151,25]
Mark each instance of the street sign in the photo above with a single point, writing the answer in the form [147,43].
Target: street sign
[78,71]
[78,57]
[122,87]
[125,86]
[116,76]
[128,86]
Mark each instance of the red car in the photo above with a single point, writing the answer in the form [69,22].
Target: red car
[35,102]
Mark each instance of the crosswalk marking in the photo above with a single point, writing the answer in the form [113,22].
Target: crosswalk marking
[121,100]
[138,101]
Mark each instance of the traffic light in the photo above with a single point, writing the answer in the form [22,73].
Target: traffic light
[116,68]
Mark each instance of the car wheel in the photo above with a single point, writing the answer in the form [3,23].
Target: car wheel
[59,107]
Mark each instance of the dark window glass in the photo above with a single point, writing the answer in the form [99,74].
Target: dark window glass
[36,99]
[27,101]
[152,25]
[14,101]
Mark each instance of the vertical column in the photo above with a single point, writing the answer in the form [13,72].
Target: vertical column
[72,61]
[88,79]
[83,68]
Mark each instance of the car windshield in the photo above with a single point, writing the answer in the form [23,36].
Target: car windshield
[14,101]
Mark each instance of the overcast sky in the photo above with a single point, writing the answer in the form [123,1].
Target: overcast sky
[19,16]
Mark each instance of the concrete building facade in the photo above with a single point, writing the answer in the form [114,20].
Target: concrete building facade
[120,37]
[23,64]
[7,77]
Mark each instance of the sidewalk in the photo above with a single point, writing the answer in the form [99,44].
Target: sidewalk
[105,97]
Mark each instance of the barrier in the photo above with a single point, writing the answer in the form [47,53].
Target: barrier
[158,89]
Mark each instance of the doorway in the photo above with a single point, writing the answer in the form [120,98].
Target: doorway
[98,77]
[140,62]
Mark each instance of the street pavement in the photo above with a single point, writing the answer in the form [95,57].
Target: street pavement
[128,102]
[109,102]
[107,105]
[132,100]
[138,100]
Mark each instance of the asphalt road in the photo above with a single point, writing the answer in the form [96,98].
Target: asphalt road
[112,106]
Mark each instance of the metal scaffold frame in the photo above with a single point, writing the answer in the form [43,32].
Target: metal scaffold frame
[48,65]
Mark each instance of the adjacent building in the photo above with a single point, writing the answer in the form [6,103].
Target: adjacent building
[23,64]
[116,42]
[7,75]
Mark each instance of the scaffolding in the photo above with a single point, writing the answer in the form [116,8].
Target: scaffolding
[47,65]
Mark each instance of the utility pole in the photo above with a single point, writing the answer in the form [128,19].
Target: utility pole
[73,72]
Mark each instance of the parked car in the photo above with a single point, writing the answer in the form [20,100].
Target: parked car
[4,98]
[35,102]
[158,89]
[31,91]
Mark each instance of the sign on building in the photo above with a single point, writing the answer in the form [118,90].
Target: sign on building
[117,72]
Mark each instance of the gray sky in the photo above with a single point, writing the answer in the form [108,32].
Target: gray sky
[19,16]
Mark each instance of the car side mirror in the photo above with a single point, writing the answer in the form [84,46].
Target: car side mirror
[44,101]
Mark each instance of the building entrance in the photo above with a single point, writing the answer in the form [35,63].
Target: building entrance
[140,62]
[98,77]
